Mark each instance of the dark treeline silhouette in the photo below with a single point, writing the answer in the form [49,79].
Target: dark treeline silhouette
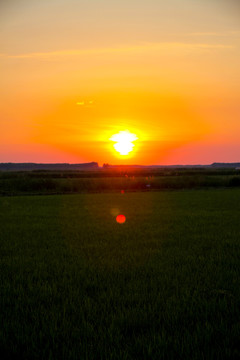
[57,166]
[118,168]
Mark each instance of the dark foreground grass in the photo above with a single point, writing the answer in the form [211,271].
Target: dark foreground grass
[77,285]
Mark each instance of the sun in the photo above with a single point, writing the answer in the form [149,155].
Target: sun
[123,142]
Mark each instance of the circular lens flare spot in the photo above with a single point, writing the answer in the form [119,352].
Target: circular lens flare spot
[120,219]
[124,142]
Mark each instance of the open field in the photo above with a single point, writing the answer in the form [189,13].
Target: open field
[72,182]
[75,284]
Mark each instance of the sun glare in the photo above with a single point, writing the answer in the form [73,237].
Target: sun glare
[124,142]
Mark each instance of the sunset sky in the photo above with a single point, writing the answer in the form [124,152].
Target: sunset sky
[76,72]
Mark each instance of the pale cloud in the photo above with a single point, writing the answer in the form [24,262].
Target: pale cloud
[85,103]
[121,49]
[216,33]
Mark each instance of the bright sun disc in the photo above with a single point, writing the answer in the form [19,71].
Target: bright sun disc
[124,142]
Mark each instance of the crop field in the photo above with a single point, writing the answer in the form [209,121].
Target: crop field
[76,284]
[73,182]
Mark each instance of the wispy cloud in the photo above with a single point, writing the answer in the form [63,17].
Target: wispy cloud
[121,49]
[88,103]
[216,33]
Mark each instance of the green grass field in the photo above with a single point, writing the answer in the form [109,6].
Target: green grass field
[75,284]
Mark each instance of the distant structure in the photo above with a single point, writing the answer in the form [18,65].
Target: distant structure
[106,166]
[35,166]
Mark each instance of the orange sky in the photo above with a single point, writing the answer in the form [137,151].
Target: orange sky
[73,73]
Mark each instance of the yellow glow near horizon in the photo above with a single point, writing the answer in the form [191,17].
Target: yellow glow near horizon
[124,142]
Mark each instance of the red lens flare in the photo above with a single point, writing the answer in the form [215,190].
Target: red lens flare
[120,219]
